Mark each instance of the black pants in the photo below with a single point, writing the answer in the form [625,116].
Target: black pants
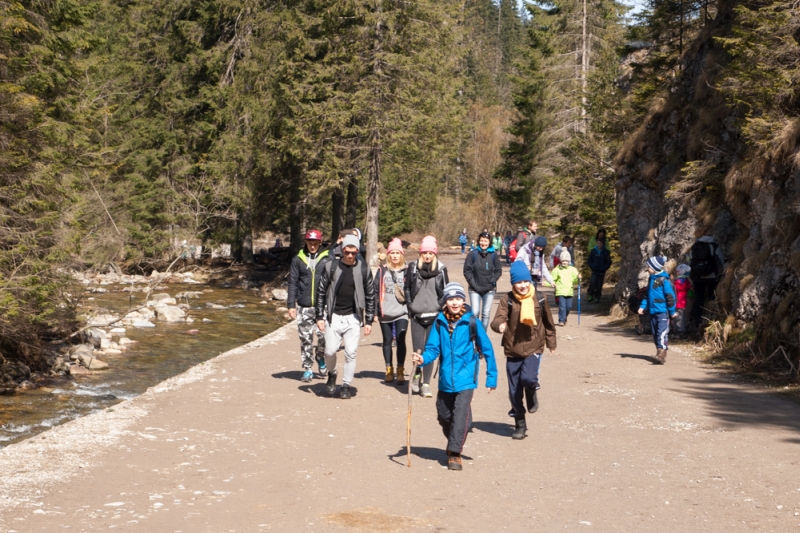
[596,285]
[401,326]
[522,373]
[454,410]
[419,336]
[703,291]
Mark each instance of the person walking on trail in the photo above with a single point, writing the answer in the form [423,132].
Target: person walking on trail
[463,240]
[683,286]
[599,263]
[425,282]
[566,278]
[303,273]
[392,312]
[497,243]
[565,244]
[507,240]
[523,319]
[601,234]
[345,300]
[660,303]
[482,269]
[459,340]
[526,235]
[532,254]
[707,266]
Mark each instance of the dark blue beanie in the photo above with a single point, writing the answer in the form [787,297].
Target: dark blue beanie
[519,272]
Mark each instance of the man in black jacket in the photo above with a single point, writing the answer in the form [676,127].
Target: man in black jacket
[303,274]
[599,263]
[345,301]
[482,269]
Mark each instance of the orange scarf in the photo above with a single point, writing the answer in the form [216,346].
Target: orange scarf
[527,313]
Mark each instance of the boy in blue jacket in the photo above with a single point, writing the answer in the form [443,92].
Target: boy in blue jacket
[459,339]
[660,303]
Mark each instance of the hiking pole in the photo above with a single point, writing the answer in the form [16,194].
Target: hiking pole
[408,420]
[579,302]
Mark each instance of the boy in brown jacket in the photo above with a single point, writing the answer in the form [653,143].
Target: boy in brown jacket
[527,326]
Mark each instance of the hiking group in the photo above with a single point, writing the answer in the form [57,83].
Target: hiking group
[333,295]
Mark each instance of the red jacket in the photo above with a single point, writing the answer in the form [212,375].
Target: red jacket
[682,287]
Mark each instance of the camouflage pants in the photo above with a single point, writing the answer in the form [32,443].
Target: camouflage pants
[306,328]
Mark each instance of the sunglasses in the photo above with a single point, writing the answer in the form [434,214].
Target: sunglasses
[349,253]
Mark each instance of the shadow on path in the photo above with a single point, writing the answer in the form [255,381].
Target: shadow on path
[736,406]
[495,428]
[423,452]
[647,358]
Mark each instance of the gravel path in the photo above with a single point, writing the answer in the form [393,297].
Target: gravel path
[239,444]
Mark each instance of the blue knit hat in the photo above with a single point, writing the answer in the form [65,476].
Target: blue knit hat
[657,263]
[540,241]
[519,272]
[454,290]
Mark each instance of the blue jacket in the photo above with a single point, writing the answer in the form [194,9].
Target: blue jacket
[460,360]
[660,295]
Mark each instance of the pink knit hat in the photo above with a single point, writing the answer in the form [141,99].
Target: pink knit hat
[395,246]
[429,245]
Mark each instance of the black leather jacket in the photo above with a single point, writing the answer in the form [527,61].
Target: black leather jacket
[325,300]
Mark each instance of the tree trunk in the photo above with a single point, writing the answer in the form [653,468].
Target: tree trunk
[373,194]
[351,210]
[337,211]
[584,71]
[296,215]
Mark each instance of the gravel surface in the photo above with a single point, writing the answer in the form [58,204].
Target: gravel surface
[239,444]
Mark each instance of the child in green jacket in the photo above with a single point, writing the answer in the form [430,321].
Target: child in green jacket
[565,277]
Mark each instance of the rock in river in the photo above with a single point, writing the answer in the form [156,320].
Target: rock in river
[170,313]
[280,294]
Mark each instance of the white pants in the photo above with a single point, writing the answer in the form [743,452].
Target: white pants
[347,327]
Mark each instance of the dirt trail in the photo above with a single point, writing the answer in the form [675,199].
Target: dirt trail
[240,444]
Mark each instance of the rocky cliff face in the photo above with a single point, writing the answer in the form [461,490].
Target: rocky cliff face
[687,168]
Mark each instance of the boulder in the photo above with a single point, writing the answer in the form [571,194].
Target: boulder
[280,294]
[282,309]
[78,370]
[193,332]
[210,305]
[92,363]
[105,344]
[189,294]
[117,331]
[81,349]
[141,323]
[170,313]
[102,320]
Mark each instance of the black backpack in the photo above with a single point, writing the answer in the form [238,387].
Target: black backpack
[703,262]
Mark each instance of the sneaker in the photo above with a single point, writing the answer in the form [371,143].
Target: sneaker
[415,383]
[308,375]
[512,413]
[323,370]
[344,392]
[331,385]
[426,391]
[454,461]
[561,324]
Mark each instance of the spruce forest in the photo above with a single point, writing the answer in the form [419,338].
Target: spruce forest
[130,126]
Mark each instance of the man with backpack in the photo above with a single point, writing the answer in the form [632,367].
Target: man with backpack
[526,235]
[303,273]
[345,301]
[707,265]
[482,269]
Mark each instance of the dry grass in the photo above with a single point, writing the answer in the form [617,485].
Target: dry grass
[371,519]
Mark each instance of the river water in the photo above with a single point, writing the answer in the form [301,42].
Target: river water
[158,354]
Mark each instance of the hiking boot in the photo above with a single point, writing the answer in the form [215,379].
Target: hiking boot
[389,374]
[425,391]
[308,375]
[453,461]
[323,370]
[520,429]
[401,376]
[561,324]
[331,385]
[344,392]
[415,383]
[512,413]
[661,357]
[531,400]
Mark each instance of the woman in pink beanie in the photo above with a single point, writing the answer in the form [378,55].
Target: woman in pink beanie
[425,281]
[392,312]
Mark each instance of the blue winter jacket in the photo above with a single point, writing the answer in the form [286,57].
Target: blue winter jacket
[460,360]
[660,295]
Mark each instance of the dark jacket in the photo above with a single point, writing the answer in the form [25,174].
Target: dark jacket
[482,269]
[328,286]
[413,281]
[521,340]
[303,277]
[599,260]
